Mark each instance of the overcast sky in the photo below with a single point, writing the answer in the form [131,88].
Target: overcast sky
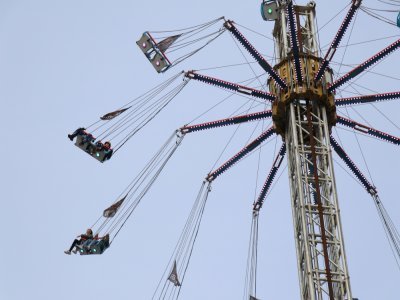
[65,63]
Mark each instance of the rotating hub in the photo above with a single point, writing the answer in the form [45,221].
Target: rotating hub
[306,89]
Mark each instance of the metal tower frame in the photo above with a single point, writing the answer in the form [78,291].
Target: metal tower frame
[318,234]
[321,259]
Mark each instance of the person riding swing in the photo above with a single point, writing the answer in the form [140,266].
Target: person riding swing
[82,238]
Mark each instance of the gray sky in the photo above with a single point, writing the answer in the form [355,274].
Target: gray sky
[65,63]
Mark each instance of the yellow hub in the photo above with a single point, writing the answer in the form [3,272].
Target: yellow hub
[308,89]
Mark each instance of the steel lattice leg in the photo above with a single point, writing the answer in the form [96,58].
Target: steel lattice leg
[322,263]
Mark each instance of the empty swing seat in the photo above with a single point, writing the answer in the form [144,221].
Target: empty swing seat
[157,58]
[90,147]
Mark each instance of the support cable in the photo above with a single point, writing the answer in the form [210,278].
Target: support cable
[146,182]
[391,232]
[367,71]
[223,100]
[394,1]
[336,41]
[230,139]
[242,153]
[359,133]
[256,55]
[231,86]
[252,258]
[228,66]
[182,58]
[125,204]
[363,42]
[138,113]
[367,99]
[389,95]
[331,19]
[346,48]
[365,65]
[227,121]
[256,32]
[152,116]
[373,14]
[170,284]
[248,63]
[385,116]
[352,166]
[368,130]
[362,153]
[139,102]
[191,28]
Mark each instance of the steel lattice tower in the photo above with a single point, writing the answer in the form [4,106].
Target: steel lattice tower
[303,115]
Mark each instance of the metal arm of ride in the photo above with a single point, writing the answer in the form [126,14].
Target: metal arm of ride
[242,153]
[343,155]
[257,56]
[230,86]
[294,42]
[390,229]
[365,65]
[367,99]
[271,176]
[228,121]
[336,41]
[368,130]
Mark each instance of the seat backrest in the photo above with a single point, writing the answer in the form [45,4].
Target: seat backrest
[145,43]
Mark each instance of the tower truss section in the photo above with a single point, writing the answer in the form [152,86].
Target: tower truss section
[304,114]
[322,267]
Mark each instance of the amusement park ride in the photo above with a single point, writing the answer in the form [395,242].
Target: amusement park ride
[303,99]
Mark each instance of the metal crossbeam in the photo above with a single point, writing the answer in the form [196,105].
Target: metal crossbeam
[367,99]
[227,121]
[294,42]
[257,56]
[336,41]
[242,153]
[365,65]
[230,86]
[271,176]
[368,130]
[352,166]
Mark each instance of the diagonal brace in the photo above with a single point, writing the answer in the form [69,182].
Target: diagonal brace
[271,176]
[365,65]
[352,166]
[242,153]
[368,130]
[336,41]
[230,86]
[367,99]
[294,42]
[257,56]
[227,121]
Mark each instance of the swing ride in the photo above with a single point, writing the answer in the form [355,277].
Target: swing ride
[302,94]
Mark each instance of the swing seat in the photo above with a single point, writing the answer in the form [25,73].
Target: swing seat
[157,58]
[93,247]
[146,43]
[90,148]
[98,247]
